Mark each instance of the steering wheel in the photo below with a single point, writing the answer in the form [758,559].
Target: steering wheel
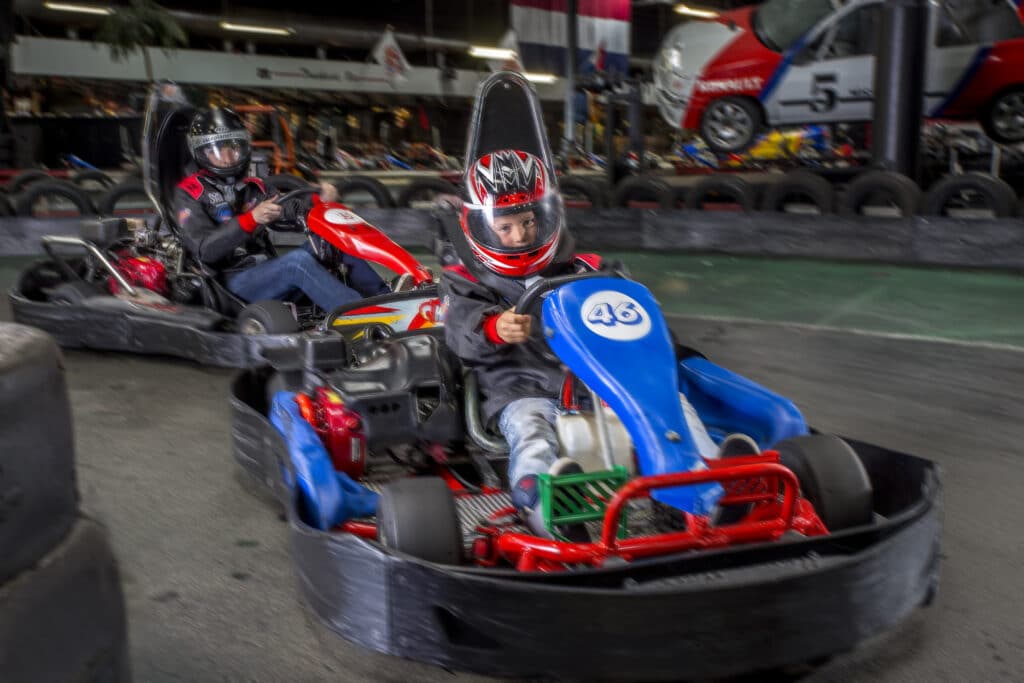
[300,221]
[528,298]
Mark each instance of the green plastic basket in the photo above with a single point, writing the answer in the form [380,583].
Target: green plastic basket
[575,498]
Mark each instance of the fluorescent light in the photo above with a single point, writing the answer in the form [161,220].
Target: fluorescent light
[491,52]
[84,9]
[693,12]
[249,28]
[540,78]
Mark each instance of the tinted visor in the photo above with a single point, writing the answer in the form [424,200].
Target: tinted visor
[223,150]
[515,229]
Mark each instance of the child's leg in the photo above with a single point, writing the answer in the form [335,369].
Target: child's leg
[528,425]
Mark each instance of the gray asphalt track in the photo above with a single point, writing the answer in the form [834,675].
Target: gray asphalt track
[210,591]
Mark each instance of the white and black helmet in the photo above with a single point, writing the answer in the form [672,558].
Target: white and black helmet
[220,143]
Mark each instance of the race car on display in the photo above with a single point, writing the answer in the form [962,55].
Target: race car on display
[791,62]
[653,563]
[131,286]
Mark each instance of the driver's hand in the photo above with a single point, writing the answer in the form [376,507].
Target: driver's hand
[266,212]
[512,327]
[328,192]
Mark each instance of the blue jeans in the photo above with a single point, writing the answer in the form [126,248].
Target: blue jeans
[528,425]
[298,270]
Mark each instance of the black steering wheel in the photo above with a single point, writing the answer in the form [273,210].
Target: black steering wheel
[528,298]
[300,222]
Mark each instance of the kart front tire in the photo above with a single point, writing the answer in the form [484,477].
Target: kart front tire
[831,477]
[267,317]
[416,516]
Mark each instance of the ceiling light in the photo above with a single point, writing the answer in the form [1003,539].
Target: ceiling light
[693,12]
[249,28]
[491,52]
[540,78]
[84,9]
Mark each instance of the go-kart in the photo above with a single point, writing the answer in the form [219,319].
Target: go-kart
[132,286]
[405,541]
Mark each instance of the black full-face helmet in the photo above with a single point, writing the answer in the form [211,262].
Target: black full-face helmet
[220,143]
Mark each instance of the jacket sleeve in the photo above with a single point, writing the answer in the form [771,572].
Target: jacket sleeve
[468,309]
[202,236]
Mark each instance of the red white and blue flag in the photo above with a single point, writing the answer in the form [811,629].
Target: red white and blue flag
[602,35]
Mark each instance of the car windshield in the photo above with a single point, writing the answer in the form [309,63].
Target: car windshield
[779,23]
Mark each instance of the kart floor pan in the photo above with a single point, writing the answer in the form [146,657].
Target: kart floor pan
[691,615]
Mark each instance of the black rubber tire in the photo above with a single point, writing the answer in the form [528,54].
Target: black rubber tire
[61,188]
[272,317]
[1001,198]
[831,477]
[5,206]
[38,495]
[431,186]
[22,180]
[417,516]
[799,183]
[69,603]
[89,175]
[126,188]
[753,110]
[986,117]
[732,188]
[593,192]
[73,292]
[642,188]
[372,186]
[895,187]
[1020,207]
[284,183]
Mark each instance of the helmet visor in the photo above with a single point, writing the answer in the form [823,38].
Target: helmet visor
[223,150]
[517,228]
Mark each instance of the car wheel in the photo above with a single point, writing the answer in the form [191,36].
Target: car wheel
[831,477]
[731,124]
[417,516]
[267,317]
[1003,118]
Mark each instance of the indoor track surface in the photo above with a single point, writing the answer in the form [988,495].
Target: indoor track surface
[211,594]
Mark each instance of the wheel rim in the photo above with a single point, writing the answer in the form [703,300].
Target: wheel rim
[251,326]
[1008,116]
[728,124]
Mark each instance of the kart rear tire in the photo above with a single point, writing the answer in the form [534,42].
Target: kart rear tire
[267,317]
[832,478]
[73,292]
[416,516]
[38,494]
[64,619]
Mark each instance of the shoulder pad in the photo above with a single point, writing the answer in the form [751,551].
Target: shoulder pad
[192,186]
[257,182]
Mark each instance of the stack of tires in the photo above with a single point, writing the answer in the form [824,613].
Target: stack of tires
[62,612]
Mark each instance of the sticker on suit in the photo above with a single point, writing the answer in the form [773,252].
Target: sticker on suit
[614,315]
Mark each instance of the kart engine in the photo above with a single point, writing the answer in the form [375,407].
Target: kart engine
[145,258]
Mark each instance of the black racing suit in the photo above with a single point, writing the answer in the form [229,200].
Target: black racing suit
[216,220]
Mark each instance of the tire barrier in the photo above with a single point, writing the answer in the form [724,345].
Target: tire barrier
[64,619]
[997,194]
[38,496]
[92,176]
[284,183]
[24,204]
[107,205]
[893,188]
[5,206]
[428,187]
[799,185]
[722,189]
[24,179]
[592,195]
[368,185]
[643,192]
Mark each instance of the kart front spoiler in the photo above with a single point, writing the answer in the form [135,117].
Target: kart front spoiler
[694,615]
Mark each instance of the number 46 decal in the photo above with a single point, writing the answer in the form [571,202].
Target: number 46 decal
[624,314]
